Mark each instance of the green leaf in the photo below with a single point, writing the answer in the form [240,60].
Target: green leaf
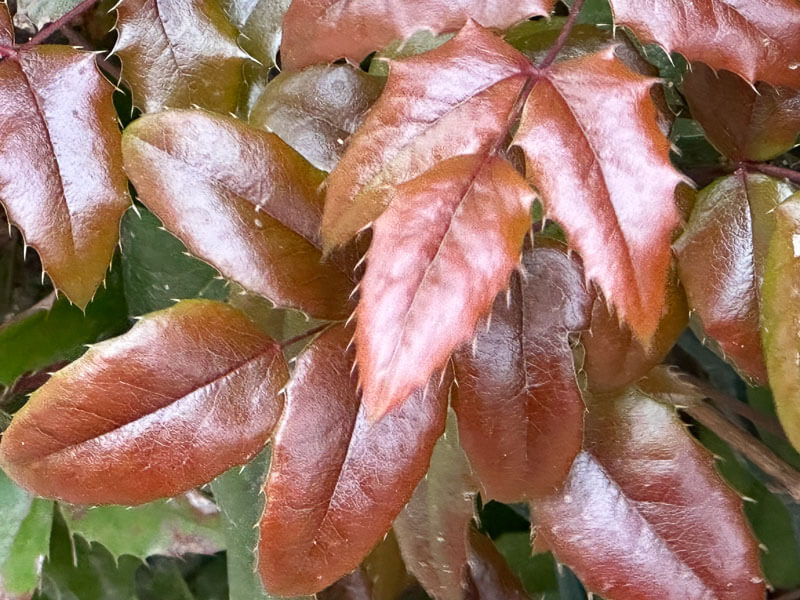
[259,21]
[188,523]
[537,572]
[156,270]
[163,580]
[41,12]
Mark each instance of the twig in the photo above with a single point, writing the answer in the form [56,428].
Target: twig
[773,171]
[302,336]
[53,27]
[572,19]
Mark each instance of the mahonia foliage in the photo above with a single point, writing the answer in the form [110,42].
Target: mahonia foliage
[497,249]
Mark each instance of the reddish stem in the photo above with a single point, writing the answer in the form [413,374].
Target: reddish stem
[572,19]
[53,27]
[7,52]
[773,171]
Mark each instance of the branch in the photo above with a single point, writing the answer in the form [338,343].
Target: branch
[773,171]
[53,27]
[562,37]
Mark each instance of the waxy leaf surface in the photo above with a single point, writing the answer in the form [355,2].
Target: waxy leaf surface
[454,100]
[321,31]
[596,155]
[179,53]
[433,528]
[757,39]
[743,122]
[259,21]
[488,575]
[6,26]
[780,316]
[240,199]
[440,253]
[61,178]
[520,411]
[317,109]
[721,256]
[118,427]
[338,480]
[644,514]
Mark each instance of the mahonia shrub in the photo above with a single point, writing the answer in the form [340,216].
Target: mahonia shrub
[398,285]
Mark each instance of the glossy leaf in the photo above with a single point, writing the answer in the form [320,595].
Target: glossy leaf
[743,122]
[320,31]
[721,257]
[6,26]
[420,298]
[520,411]
[433,528]
[644,514]
[240,199]
[455,100]
[338,480]
[61,178]
[179,53]
[752,38]
[116,427]
[41,12]
[781,315]
[616,207]
[316,110]
[488,574]
[259,21]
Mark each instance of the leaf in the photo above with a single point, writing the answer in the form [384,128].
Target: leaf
[537,572]
[259,21]
[163,580]
[156,269]
[179,53]
[455,100]
[432,530]
[519,407]
[6,26]
[414,312]
[489,576]
[338,480]
[24,539]
[721,256]
[352,30]
[644,514]
[116,427]
[614,358]
[754,39]
[55,330]
[615,206]
[61,178]
[41,12]
[189,523]
[743,122]
[316,110]
[240,199]
[780,315]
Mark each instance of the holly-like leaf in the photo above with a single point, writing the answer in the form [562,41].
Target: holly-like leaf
[259,21]
[643,513]
[317,109]
[596,155]
[488,574]
[743,122]
[61,178]
[41,12]
[520,411]
[115,426]
[755,39]
[433,528]
[320,31]
[721,256]
[455,100]
[179,53]
[780,316]
[6,26]
[420,298]
[337,479]
[240,199]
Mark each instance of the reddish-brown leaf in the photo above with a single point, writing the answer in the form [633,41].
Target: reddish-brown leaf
[320,31]
[61,178]
[6,26]
[757,39]
[317,109]
[187,393]
[489,576]
[614,357]
[433,528]
[240,199]
[520,411]
[601,164]
[440,253]
[454,100]
[721,256]
[337,479]
[743,122]
[179,53]
[644,514]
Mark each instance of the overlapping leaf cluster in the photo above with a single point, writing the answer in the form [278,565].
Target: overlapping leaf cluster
[485,224]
